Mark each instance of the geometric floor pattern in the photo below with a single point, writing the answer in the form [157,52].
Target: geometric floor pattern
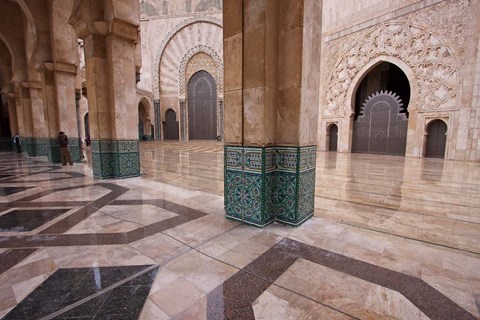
[88,293]
[391,238]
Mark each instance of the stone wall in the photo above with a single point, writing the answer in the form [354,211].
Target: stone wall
[435,43]
[174,33]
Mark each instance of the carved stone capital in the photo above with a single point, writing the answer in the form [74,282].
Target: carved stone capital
[61,67]
[123,29]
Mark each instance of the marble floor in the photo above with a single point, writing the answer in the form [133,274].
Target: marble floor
[391,238]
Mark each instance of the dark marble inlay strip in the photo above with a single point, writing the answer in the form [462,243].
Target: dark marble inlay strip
[11,257]
[184,215]
[14,179]
[233,298]
[83,213]
[75,293]
[46,204]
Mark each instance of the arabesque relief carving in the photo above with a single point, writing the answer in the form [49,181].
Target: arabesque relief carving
[431,58]
[213,65]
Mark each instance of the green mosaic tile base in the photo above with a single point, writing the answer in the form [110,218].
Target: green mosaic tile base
[6,144]
[74,147]
[29,146]
[115,158]
[41,146]
[263,185]
[53,151]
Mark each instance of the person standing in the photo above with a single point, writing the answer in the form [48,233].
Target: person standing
[64,152]
[18,143]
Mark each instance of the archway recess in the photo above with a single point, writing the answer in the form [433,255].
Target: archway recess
[380,120]
[436,139]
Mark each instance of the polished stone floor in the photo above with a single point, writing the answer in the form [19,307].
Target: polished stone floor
[392,238]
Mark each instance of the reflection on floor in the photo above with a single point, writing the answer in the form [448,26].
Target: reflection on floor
[392,238]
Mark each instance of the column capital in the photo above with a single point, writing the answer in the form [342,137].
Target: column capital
[13,95]
[123,29]
[61,67]
[32,84]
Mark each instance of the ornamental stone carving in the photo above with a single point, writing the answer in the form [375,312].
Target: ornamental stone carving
[170,36]
[203,63]
[423,40]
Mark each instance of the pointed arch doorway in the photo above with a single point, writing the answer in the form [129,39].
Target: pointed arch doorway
[436,139]
[381,111]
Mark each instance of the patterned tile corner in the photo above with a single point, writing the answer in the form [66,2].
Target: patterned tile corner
[263,185]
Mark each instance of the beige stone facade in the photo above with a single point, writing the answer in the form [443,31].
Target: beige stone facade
[436,45]
[179,38]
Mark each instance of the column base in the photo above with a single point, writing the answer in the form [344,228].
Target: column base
[115,158]
[6,144]
[266,184]
[29,146]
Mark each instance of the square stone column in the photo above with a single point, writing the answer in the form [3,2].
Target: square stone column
[272,73]
[64,118]
[111,92]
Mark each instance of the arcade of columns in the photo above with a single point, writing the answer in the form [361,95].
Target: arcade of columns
[41,82]
[271,54]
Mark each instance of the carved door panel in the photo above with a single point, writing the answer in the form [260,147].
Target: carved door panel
[202,107]
[381,127]
[332,143]
[379,121]
[436,139]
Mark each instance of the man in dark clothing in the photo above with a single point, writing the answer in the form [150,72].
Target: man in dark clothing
[18,142]
[64,152]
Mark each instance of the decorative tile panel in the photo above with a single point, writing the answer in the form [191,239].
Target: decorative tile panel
[74,147]
[41,148]
[53,151]
[270,184]
[28,145]
[115,158]
[287,159]
[6,144]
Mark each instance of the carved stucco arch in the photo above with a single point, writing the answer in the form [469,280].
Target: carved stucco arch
[434,76]
[33,41]
[10,50]
[168,38]
[182,81]
[144,101]
[362,73]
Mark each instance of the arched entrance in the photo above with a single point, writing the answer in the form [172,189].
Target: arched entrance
[144,127]
[436,139]
[170,125]
[202,107]
[332,137]
[381,111]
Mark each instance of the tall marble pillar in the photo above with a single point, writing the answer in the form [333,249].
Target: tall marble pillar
[12,118]
[111,91]
[65,116]
[272,66]
[25,120]
[39,139]
[52,114]
[12,113]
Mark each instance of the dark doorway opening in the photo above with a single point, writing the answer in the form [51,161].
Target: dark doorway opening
[381,111]
[332,137]
[436,139]
[170,125]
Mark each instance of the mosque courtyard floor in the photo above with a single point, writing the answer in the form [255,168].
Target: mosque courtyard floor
[391,238]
